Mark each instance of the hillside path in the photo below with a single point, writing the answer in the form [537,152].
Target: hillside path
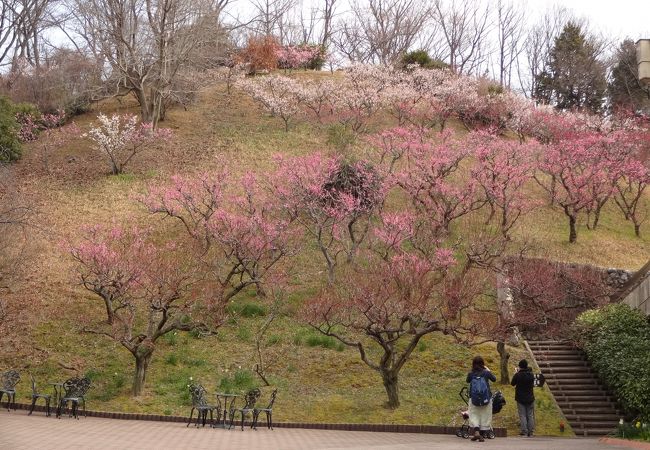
[21,432]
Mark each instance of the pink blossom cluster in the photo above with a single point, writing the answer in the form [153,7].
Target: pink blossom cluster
[30,127]
[236,225]
[297,56]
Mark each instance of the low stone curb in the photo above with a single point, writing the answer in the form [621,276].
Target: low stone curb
[376,427]
[625,443]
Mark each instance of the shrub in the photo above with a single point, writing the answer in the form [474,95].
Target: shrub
[246,309]
[634,430]
[616,339]
[241,380]
[10,149]
[419,57]
[260,54]
[319,340]
[67,82]
[422,58]
[300,56]
[244,334]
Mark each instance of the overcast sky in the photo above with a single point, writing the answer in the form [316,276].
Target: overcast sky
[622,18]
[615,18]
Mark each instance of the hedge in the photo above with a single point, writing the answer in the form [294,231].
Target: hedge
[616,339]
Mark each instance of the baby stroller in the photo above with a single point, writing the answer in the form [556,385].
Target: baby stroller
[497,404]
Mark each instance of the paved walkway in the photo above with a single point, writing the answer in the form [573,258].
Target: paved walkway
[19,431]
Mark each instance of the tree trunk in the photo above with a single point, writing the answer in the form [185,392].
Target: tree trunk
[142,360]
[573,235]
[392,389]
[596,219]
[637,230]
[504,356]
[146,114]
[109,312]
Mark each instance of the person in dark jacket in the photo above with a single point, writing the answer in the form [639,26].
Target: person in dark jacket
[480,417]
[523,381]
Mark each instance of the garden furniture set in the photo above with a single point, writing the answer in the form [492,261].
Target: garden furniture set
[226,409]
[72,391]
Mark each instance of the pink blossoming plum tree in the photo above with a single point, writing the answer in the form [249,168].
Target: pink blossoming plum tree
[333,201]
[503,168]
[147,291]
[238,228]
[629,193]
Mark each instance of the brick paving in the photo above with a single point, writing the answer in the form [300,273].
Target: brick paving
[21,432]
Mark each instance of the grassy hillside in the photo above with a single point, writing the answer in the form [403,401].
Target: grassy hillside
[318,379]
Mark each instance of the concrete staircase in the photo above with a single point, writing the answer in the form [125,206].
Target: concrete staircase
[586,404]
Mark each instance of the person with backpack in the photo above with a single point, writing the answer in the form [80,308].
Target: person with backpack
[524,381]
[480,397]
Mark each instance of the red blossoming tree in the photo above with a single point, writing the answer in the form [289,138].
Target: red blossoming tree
[333,200]
[238,229]
[146,290]
[502,170]
[401,292]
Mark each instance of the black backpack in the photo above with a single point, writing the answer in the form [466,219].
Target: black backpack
[498,401]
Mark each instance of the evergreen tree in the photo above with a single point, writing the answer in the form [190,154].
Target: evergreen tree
[625,91]
[574,77]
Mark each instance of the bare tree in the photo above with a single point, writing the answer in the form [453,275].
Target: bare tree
[537,47]
[30,29]
[16,218]
[22,23]
[510,34]
[11,16]
[464,26]
[349,40]
[381,30]
[148,44]
[327,17]
[271,17]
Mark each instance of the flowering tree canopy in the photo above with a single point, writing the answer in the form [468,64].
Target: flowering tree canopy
[119,138]
[241,235]
[147,290]
[333,200]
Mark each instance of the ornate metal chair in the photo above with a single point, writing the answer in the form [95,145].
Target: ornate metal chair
[200,403]
[268,411]
[84,386]
[8,382]
[251,398]
[36,396]
[75,390]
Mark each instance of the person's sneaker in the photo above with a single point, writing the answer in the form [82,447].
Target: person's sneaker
[521,433]
[530,434]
